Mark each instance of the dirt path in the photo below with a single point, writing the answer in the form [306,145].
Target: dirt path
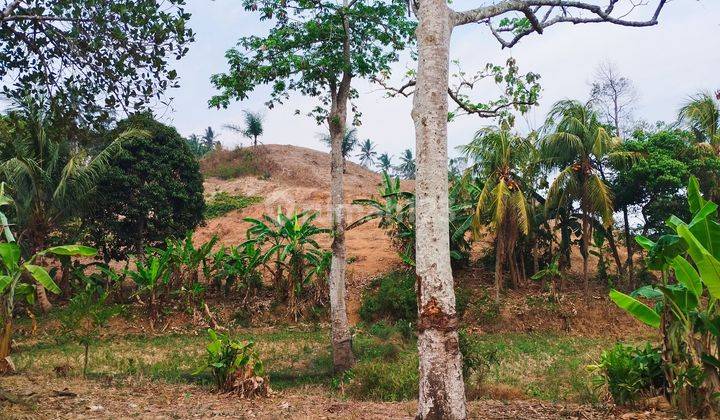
[45,397]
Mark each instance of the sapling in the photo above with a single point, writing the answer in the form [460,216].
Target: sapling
[85,316]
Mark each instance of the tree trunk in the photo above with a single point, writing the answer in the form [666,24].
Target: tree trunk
[341,339]
[42,298]
[5,346]
[584,250]
[629,246]
[498,269]
[442,391]
[614,249]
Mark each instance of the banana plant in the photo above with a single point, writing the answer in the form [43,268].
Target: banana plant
[150,276]
[685,306]
[242,266]
[294,247]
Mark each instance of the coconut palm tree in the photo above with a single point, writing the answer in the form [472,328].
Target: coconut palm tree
[579,146]
[702,115]
[499,157]
[349,143]
[50,180]
[367,153]
[407,164]
[385,163]
[210,138]
[252,127]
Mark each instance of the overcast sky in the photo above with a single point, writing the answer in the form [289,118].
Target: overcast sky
[667,63]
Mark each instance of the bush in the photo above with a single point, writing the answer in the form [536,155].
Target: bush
[630,372]
[235,366]
[222,203]
[151,191]
[228,164]
[391,297]
[377,380]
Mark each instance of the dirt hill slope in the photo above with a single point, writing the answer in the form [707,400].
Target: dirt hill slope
[299,178]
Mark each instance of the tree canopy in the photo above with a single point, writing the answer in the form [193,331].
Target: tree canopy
[86,52]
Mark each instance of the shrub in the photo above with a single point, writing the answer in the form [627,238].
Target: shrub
[391,297]
[151,191]
[222,203]
[228,164]
[235,366]
[630,372]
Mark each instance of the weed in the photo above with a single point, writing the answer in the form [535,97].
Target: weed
[222,203]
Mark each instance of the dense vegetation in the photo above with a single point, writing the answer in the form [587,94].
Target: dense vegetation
[103,257]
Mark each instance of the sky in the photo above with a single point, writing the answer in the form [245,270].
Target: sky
[667,63]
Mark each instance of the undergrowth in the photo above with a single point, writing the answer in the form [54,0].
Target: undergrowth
[222,203]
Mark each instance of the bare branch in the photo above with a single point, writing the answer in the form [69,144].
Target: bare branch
[532,9]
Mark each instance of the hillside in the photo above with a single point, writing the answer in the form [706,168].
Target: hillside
[299,178]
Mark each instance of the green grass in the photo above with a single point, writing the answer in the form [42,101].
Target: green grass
[540,365]
[222,203]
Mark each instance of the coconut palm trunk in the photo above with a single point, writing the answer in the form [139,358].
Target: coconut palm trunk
[585,250]
[442,391]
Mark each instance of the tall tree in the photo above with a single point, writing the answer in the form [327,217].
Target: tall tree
[50,181]
[407,167]
[579,146]
[441,388]
[615,96]
[498,157]
[385,162]
[85,52]
[210,138]
[702,115]
[367,153]
[318,49]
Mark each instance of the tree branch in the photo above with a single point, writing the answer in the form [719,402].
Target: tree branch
[532,8]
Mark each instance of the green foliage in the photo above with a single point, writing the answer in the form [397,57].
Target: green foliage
[86,314]
[630,372]
[303,50]
[292,246]
[350,142]
[235,366]
[391,297]
[222,203]
[376,380]
[150,192]
[241,267]
[51,182]
[86,52]
[656,182]
[685,309]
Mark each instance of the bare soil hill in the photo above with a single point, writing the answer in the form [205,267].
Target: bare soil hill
[295,177]
[298,178]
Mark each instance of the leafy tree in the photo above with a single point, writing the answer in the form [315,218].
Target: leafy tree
[385,163]
[318,50]
[367,153]
[579,145]
[150,192]
[499,156]
[406,168]
[85,52]
[442,391]
[655,183]
[51,182]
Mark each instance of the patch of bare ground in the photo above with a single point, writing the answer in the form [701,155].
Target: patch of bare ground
[40,397]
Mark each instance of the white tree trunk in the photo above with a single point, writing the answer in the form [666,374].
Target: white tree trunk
[341,339]
[442,391]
